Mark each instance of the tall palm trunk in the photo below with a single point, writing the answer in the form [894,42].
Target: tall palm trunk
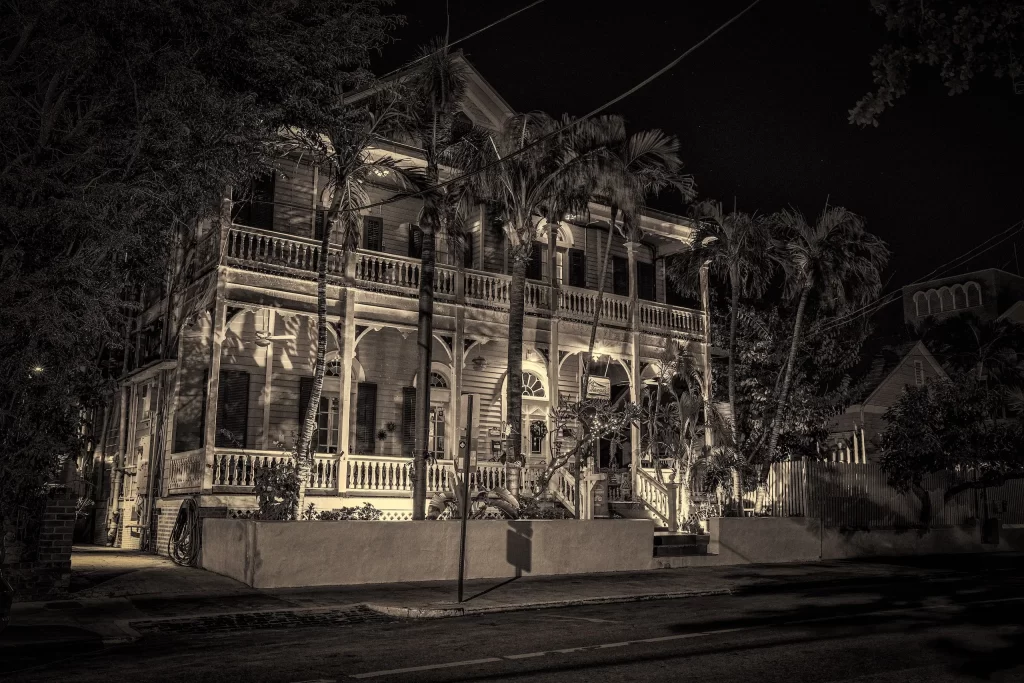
[517,307]
[786,380]
[303,458]
[733,320]
[598,305]
[425,340]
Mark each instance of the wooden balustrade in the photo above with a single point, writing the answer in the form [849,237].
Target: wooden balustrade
[238,468]
[323,475]
[279,253]
[275,252]
[377,270]
[653,494]
[488,475]
[488,289]
[185,472]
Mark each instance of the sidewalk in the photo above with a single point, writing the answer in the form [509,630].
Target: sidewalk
[119,596]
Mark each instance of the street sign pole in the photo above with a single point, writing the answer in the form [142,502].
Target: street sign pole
[464,447]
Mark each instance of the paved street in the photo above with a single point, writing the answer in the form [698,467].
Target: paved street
[961,628]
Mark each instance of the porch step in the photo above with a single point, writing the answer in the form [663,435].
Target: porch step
[667,544]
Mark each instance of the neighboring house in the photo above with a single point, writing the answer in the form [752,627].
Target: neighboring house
[218,376]
[987,294]
[855,432]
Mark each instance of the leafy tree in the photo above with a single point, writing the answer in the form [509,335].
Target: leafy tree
[991,350]
[951,425]
[121,123]
[962,39]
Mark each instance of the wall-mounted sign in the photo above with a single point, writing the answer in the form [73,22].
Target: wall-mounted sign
[599,388]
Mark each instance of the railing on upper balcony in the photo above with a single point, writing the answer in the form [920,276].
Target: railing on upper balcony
[283,254]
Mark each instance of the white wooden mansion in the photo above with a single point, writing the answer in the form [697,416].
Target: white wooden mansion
[205,400]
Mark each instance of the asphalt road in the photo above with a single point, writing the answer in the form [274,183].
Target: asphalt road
[963,629]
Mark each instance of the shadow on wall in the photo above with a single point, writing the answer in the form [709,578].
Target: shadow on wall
[519,547]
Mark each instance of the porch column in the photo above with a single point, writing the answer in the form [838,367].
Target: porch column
[348,354]
[267,382]
[706,358]
[634,363]
[219,324]
[458,368]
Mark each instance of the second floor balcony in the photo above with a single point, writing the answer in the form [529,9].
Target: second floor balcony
[286,255]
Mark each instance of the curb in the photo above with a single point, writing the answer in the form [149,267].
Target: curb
[443,612]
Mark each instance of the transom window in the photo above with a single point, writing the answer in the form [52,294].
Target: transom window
[532,386]
[438,381]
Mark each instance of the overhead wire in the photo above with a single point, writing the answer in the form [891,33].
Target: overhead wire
[891,297]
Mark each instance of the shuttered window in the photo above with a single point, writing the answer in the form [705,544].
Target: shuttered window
[467,250]
[373,233]
[232,409]
[366,418]
[325,434]
[319,224]
[409,421]
[620,276]
[255,205]
[577,268]
[645,288]
[535,268]
[415,241]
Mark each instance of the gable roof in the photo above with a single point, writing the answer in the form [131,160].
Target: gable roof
[917,348]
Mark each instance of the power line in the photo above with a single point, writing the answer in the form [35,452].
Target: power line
[942,269]
[672,64]
[463,38]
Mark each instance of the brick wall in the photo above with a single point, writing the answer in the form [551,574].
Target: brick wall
[44,571]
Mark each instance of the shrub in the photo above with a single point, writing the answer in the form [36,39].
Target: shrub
[277,490]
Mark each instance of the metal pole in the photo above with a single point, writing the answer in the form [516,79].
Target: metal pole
[465,491]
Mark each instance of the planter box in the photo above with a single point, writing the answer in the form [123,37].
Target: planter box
[296,554]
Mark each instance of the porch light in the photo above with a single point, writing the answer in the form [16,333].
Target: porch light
[37,370]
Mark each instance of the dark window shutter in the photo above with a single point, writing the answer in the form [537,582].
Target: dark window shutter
[620,276]
[319,224]
[232,409]
[415,241]
[645,288]
[255,207]
[467,250]
[577,268]
[373,231]
[535,268]
[366,418]
[408,421]
[305,392]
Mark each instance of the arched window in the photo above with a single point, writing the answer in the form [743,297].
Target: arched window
[921,304]
[959,297]
[947,299]
[973,294]
[532,386]
[934,306]
[438,381]
[333,368]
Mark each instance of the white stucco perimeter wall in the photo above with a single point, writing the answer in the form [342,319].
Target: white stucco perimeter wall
[296,554]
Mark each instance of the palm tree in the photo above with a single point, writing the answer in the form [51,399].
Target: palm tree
[341,144]
[992,350]
[838,262]
[733,246]
[534,166]
[437,88]
[643,164]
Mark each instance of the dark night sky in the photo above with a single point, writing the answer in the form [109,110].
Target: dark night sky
[761,110]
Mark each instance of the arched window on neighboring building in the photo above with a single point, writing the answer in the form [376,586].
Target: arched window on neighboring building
[934,305]
[959,297]
[921,304]
[946,297]
[973,294]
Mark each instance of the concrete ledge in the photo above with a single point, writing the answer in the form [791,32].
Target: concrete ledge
[298,554]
